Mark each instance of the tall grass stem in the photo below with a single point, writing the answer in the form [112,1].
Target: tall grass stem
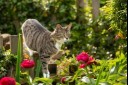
[88,75]
[98,79]
[18,60]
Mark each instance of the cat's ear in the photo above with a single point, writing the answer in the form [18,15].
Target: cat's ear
[69,26]
[58,26]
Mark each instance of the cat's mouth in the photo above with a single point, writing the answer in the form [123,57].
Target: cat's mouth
[62,40]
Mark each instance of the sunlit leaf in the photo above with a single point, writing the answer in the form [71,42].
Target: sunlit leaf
[44,80]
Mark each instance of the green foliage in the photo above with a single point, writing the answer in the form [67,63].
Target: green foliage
[14,13]
[7,63]
[108,72]
[65,62]
[119,12]
[26,79]
[100,43]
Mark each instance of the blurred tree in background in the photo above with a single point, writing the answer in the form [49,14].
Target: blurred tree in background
[102,37]
[15,12]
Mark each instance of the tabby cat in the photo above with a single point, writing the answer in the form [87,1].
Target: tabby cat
[47,44]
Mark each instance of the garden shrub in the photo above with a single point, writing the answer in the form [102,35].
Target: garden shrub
[64,12]
[7,63]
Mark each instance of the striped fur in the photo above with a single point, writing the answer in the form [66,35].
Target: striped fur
[46,43]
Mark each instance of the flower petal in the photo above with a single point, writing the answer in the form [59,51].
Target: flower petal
[7,81]
[27,63]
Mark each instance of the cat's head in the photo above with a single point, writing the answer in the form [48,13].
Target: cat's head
[61,33]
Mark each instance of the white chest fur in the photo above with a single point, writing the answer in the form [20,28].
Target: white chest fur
[59,44]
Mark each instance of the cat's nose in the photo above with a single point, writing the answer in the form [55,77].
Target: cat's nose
[65,39]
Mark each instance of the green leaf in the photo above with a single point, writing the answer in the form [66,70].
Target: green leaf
[18,83]
[38,67]
[104,83]
[102,67]
[112,69]
[113,77]
[26,78]
[122,79]
[44,80]
[87,80]
[77,73]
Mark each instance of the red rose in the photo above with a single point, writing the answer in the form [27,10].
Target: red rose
[27,63]
[83,57]
[91,60]
[63,80]
[82,65]
[7,81]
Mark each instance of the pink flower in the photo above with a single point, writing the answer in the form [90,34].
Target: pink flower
[7,81]
[63,80]
[117,37]
[27,63]
[82,65]
[91,60]
[83,57]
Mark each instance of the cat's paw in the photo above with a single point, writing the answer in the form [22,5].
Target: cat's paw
[61,52]
[51,61]
[57,55]
[46,75]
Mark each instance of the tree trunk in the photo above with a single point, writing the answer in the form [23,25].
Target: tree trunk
[80,17]
[95,15]
[95,9]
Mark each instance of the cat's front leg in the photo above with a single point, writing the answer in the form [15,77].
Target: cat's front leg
[45,71]
[58,55]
